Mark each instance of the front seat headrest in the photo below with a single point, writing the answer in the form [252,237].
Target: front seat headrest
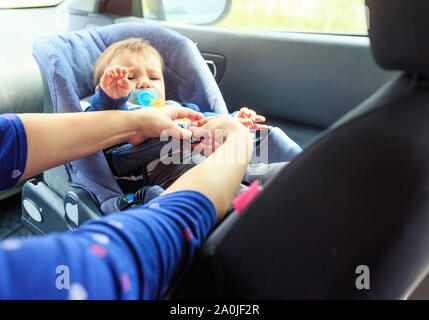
[399,33]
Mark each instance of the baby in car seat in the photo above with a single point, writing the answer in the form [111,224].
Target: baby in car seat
[124,68]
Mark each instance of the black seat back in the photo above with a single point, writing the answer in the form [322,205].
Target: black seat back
[349,217]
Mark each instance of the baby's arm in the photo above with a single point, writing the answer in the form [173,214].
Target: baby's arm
[113,91]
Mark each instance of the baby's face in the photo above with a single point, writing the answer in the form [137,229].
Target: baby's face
[145,71]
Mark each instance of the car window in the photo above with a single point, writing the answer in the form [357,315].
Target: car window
[326,16]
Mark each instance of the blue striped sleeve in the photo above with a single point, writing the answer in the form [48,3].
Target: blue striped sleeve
[137,254]
[13,150]
[101,101]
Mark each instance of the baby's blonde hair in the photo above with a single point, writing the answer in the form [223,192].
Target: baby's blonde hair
[133,44]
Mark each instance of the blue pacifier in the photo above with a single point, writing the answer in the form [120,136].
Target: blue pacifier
[144,97]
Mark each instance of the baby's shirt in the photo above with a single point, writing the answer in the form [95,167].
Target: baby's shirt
[101,101]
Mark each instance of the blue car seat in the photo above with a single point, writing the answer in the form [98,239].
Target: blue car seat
[75,192]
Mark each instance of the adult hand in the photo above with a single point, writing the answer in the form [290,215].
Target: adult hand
[215,131]
[219,175]
[155,122]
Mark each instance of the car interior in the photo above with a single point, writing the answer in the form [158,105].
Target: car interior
[355,103]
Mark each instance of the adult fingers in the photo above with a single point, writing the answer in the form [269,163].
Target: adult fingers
[203,121]
[202,133]
[198,123]
[177,132]
[180,113]
[205,146]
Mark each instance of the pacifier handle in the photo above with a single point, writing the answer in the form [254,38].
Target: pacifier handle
[144,97]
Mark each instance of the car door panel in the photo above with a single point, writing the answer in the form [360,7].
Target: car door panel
[307,80]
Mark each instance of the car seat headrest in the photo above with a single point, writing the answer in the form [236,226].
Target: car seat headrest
[399,33]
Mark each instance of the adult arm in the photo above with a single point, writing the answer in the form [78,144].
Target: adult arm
[132,255]
[136,254]
[54,139]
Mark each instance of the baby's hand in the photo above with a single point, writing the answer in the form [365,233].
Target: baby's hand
[248,118]
[115,83]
